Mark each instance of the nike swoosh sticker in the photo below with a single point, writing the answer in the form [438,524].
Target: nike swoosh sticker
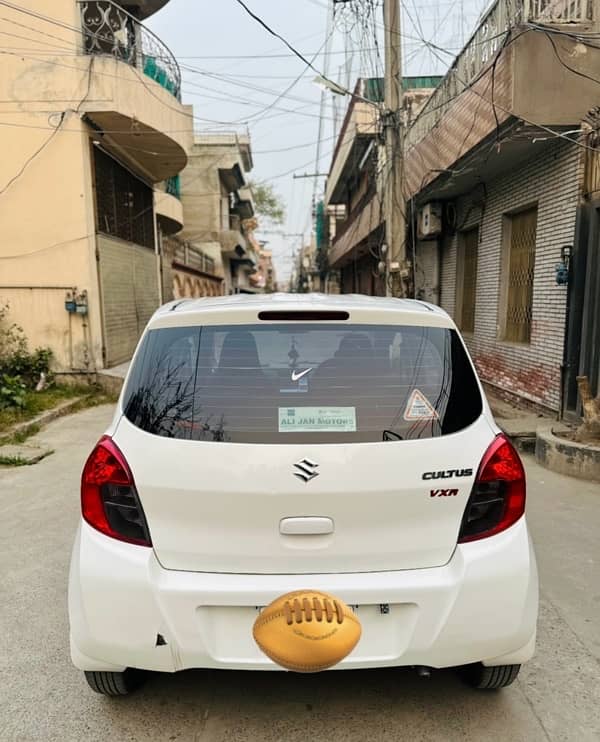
[297,376]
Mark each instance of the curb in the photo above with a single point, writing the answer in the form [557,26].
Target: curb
[64,408]
[110,384]
[23,455]
[580,460]
[523,442]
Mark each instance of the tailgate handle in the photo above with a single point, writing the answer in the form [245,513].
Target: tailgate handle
[306,526]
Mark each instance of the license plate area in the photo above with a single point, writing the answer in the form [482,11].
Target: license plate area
[387,628]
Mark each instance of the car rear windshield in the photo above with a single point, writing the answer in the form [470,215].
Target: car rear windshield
[299,383]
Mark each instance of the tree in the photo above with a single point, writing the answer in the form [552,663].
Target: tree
[268,203]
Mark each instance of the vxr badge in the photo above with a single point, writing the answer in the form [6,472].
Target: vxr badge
[306,470]
[443,493]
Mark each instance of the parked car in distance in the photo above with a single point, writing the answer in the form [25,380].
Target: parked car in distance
[274,443]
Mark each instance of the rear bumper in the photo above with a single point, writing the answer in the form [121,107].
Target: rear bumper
[481,606]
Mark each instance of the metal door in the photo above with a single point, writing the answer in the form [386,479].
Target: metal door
[129,292]
[582,350]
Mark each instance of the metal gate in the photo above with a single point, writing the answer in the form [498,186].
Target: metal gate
[466,279]
[521,265]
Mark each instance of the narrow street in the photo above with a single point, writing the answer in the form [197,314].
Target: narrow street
[44,698]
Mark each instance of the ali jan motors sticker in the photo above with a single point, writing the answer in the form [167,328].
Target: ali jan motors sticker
[317,419]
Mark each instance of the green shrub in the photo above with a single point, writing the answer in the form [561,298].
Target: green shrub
[12,392]
[20,369]
[28,366]
[12,338]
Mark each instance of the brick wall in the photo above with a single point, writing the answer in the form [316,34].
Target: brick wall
[551,180]
[427,275]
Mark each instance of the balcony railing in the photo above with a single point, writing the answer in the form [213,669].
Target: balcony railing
[192,257]
[483,45]
[558,11]
[173,186]
[111,30]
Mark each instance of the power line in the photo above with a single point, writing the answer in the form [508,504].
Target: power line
[248,86]
[12,51]
[37,152]
[16,125]
[180,111]
[57,128]
[140,81]
[347,137]
[298,54]
[509,39]
[289,88]
[48,247]
[226,123]
[39,16]
[293,147]
[226,154]
[294,52]
[191,69]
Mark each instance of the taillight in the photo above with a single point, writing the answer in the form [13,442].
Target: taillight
[109,500]
[497,500]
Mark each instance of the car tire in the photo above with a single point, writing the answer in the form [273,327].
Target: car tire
[489,678]
[115,683]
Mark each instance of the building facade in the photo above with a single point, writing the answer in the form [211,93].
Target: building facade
[219,216]
[94,123]
[265,278]
[194,273]
[499,201]
[498,272]
[355,185]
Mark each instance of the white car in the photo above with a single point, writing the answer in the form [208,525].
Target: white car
[275,443]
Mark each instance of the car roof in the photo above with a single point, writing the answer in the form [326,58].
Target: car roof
[245,308]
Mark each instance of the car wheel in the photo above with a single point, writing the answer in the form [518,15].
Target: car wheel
[115,683]
[489,678]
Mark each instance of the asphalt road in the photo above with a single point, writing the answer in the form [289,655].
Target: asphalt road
[42,697]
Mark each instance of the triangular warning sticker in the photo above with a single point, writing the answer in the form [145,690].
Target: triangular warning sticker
[419,407]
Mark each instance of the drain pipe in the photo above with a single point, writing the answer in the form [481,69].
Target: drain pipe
[158,253]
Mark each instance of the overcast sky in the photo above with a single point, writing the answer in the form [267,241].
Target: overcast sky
[233,72]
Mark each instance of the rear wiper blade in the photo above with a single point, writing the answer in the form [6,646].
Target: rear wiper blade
[389,435]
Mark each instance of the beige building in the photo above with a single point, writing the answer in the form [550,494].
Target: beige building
[93,125]
[216,252]
[266,276]
[354,195]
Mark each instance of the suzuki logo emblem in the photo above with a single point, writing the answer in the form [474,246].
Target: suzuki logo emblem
[307,470]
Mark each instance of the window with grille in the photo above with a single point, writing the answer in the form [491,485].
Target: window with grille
[519,270]
[468,245]
[124,203]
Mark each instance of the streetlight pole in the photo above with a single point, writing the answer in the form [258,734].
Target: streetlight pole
[394,205]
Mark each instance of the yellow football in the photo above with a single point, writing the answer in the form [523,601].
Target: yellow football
[307,631]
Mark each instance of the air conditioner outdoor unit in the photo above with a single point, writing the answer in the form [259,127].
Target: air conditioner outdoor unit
[430,221]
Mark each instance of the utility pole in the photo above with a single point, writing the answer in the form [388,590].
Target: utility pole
[394,205]
[325,67]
